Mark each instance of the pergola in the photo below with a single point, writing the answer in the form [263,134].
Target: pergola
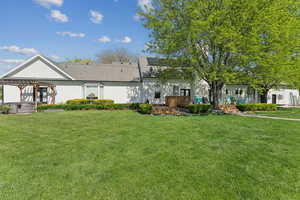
[22,84]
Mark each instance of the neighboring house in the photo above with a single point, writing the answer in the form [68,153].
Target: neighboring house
[47,82]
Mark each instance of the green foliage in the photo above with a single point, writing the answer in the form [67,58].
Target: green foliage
[4,109]
[145,108]
[257,107]
[90,101]
[99,106]
[199,108]
[219,41]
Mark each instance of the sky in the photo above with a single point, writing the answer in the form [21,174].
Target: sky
[67,29]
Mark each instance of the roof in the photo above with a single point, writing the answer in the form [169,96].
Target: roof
[150,66]
[102,72]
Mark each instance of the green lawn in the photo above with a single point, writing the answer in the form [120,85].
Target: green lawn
[283,112]
[124,155]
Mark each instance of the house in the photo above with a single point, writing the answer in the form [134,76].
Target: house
[42,80]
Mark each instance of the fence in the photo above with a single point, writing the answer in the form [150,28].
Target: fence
[175,101]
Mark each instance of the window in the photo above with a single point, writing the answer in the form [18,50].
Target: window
[157,95]
[175,90]
[91,91]
[241,92]
[237,91]
[185,92]
[226,91]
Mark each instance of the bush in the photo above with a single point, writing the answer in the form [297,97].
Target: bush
[85,107]
[90,101]
[145,108]
[199,108]
[4,109]
[257,107]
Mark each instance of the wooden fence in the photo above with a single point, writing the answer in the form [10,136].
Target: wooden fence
[175,101]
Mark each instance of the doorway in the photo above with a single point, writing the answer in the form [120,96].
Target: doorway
[274,99]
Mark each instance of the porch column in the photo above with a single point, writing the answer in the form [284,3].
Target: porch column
[21,87]
[35,90]
[53,94]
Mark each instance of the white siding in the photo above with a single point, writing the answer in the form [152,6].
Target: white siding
[11,94]
[67,92]
[122,92]
[200,88]
[38,69]
[285,96]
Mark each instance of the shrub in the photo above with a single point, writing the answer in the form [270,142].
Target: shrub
[145,108]
[199,108]
[4,109]
[257,107]
[85,107]
[90,101]
[103,101]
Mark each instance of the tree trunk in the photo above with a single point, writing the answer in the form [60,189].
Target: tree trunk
[264,96]
[216,91]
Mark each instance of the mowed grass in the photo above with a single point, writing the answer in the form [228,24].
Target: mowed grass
[125,155]
[293,113]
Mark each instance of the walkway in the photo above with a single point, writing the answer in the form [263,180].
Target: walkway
[265,117]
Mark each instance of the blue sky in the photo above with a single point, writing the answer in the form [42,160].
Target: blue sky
[65,29]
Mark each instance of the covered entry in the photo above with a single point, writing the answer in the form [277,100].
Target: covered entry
[42,92]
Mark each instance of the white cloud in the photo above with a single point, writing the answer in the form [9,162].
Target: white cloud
[59,17]
[11,61]
[145,5]
[70,34]
[96,17]
[49,3]
[104,39]
[126,40]
[18,50]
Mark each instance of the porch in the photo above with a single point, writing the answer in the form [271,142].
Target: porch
[31,93]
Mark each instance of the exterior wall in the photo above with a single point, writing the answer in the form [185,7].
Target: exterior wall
[240,94]
[288,97]
[122,92]
[11,94]
[38,69]
[150,87]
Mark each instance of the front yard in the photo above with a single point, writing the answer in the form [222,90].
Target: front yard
[125,155]
[293,113]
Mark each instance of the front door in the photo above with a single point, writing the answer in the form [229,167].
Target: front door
[274,99]
[43,95]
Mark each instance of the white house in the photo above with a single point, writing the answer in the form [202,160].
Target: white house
[47,82]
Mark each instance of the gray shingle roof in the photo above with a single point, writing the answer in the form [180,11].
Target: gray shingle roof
[102,72]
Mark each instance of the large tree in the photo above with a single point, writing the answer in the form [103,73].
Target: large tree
[274,51]
[209,38]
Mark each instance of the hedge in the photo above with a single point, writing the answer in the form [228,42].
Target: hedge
[131,106]
[257,107]
[145,108]
[90,101]
[4,109]
[199,108]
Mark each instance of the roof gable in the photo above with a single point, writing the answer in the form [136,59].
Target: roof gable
[37,67]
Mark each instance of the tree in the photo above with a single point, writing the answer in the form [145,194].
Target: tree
[81,60]
[116,55]
[210,39]
[274,50]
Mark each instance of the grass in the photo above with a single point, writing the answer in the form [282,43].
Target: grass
[293,113]
[125,155]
